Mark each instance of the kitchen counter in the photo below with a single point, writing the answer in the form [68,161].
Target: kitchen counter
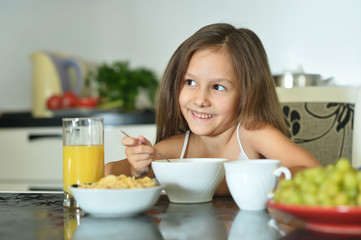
[25,119]
[32,148]
[40,215]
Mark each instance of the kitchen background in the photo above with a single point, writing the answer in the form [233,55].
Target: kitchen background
[322,35]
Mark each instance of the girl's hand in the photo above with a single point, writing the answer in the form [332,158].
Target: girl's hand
[140,154]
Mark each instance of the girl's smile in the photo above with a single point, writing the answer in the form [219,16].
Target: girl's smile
[202,115]
[209,92]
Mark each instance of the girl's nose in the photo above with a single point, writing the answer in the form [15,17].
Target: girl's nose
[202,99]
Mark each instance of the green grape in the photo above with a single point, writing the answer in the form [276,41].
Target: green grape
[343,165]
[358,199]
[310,173]
[333,185]
[330,167]
[352,193]
[323,199]
[286,183]
[328,203]
[350,180]
[358,175]
[341,199]
[309,199]
[352,203]
[295,198]
[309,187]
[316,174]
[322,176]
[330,188]
[299,178]
[335,176]
[322,196]
[283,195]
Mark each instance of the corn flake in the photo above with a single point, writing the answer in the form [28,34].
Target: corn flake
[121,182]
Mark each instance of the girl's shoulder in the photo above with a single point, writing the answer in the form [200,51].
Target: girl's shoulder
[265,133]
[264,127]
[174,139]
[172,146]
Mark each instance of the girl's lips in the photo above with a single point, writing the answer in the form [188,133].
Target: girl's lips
[202,115]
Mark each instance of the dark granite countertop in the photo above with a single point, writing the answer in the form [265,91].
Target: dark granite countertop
[25,119]
[35,215]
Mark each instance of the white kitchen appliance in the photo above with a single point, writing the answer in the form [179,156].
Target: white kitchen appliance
[55,73]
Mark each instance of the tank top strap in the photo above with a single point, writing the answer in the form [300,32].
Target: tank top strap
[242,155]
[185,144]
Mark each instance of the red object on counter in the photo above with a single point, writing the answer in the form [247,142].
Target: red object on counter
[54,102]
[343,220]
[87,102]
[69,99]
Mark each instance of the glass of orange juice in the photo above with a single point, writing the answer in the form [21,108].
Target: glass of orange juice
[83,154]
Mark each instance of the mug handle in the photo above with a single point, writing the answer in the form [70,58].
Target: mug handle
[285,171]
[278,173]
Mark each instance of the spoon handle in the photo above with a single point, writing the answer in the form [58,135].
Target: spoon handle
[158,151]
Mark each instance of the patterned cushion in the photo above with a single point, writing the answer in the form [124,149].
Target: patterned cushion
[324,129]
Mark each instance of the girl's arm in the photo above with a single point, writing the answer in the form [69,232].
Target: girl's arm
[270,143]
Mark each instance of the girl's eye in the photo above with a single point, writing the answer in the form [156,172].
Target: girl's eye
[219,87]
[191,82]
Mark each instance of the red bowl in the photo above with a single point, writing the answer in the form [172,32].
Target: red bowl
[342,219]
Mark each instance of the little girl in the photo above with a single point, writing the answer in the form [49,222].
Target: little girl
[217,99]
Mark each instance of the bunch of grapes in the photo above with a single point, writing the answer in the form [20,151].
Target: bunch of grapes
[333,185]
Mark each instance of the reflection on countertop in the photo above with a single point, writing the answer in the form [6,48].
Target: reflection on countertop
[137,227]
[31,216]
[192,221]
[252,225]
[41,215]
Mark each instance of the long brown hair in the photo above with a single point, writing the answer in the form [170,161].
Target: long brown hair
[258,104]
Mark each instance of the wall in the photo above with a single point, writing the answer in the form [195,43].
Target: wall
[322,35]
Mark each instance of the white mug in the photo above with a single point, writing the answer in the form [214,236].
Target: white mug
[250,182]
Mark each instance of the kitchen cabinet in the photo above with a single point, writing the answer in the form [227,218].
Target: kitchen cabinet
[32,158]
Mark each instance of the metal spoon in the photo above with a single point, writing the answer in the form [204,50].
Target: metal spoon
[158,152]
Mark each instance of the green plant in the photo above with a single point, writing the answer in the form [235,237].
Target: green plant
[118,85]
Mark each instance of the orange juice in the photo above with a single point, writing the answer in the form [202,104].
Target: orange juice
[82,164]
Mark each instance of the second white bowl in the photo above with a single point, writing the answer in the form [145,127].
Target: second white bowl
[189,180]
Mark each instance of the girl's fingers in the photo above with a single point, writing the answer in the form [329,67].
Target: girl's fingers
[139,167]
[139,150]
[129,141]
[142,157]
[141,164]
[143,140]
[140,154]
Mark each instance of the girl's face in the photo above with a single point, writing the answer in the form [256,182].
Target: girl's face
[209,93]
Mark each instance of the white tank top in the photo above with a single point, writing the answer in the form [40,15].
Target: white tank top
[242,155]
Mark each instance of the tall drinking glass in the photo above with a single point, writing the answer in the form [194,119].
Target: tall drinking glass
[83,154]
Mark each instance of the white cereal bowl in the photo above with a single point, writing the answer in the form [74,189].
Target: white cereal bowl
[116,202]
[189,180]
